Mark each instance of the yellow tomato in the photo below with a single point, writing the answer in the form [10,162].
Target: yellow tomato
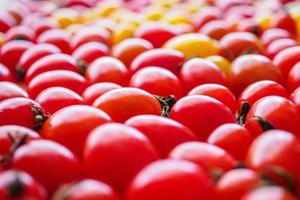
[193,45]
[1,39]
[65,17]
[264,19]
[122,32]
[177,17]
[106,8]
[221,62]
[154,13]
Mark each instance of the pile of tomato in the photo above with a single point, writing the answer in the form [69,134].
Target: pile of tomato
[150,100]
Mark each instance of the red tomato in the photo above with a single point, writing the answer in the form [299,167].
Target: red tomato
[293,81]
[284,21]
[72,131]
[295,98]
[236,183]
[260,89]
[233,138]
[54,98]
[164,133]
[115,153]
[21,111]
[218,92]
[90,51]
[87,189]
[128,49]
[107,69]
[51,62]
[58,38]
[206,15]
[20,185]
[248,69]
[171,179]
[5,74]
[62,78]
[216,29]
[18,10]
[6,21]
[157,81]
[278,45]
[273,34]
[249,25]
[279,111]
[44,24]
[36,156]
[89,34]
[165,58]
[202,114]
[269,192]
[124,103]
[20,33]
[94,91]
[9,90]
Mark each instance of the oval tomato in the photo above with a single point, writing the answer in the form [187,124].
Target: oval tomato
[9,90]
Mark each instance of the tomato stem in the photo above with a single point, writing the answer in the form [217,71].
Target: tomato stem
[264,124]
[243,112]
[39,116]
[166,104]
[15,188]
[82,66]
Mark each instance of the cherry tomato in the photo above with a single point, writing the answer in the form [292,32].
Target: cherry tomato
[6,21]
[157,81]
[107,69]
[249,25]
[54,98]
[36,156]
[124,103]
[9,90]
[113,145]
[273,34]
[284,21]
[72,131]
[206,15]
[269,192]
[248,69]
[233,138]
[62,78]
[278,45]
[44,24]
[20,185]
[20,33]
[218,92]
[5,74]
[293,81]
[216,29]
[87,189]
[165,58]
[18,11]
[295,98]
[165,179]
[21,111]
[202,114]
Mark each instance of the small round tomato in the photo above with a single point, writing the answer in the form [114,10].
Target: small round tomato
[20,185]
[6,21]
[113,145]
[295,98]
[273,34]
[58,38]
[44,24]
[20,33]
[9,90]
[233,138]
[249,25]
[202,114]
[124,103]
[260,89]
[284,21]
[18,10]
[248,69]
[206,15]
[269,192]
[278,45]
[87,189]
[107,69]
[127,50]
[278,111]
[36,156]
[90,51]
[165,58]
[293,80]
[235,183]
[62,78]
[5,74]
[216,29]
[21,111]
[72,131]
[54,98]
[165,179]
[51,62]
[218,92]
[157,81]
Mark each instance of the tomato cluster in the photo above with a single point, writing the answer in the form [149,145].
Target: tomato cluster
[150,100]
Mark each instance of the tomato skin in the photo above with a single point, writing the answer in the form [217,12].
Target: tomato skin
[30,188]
[248,69]
[269,192]
[233,138]
[113,145]
[62,78]
[191,110]
[71,132]
[86,189]
[164,179]
[284,21]
[54,98]
[206,15]
[21,111]
[273,34]
[164,133]
[249,25]
[235,183]
[279,45]
[36,156]
[90,51]
[260,89]
[293,81]
[279,111]
[49,63]
[5,74]
[6,21]
[295,98]
[17,32]
[157,81]
[124,103]
[218,92]
[107,69]
[216,29]
[9,90]
[165,58]
[43,25]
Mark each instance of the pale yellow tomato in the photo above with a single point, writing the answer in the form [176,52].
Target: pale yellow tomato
[221,62]
[123,31]
[66,17]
